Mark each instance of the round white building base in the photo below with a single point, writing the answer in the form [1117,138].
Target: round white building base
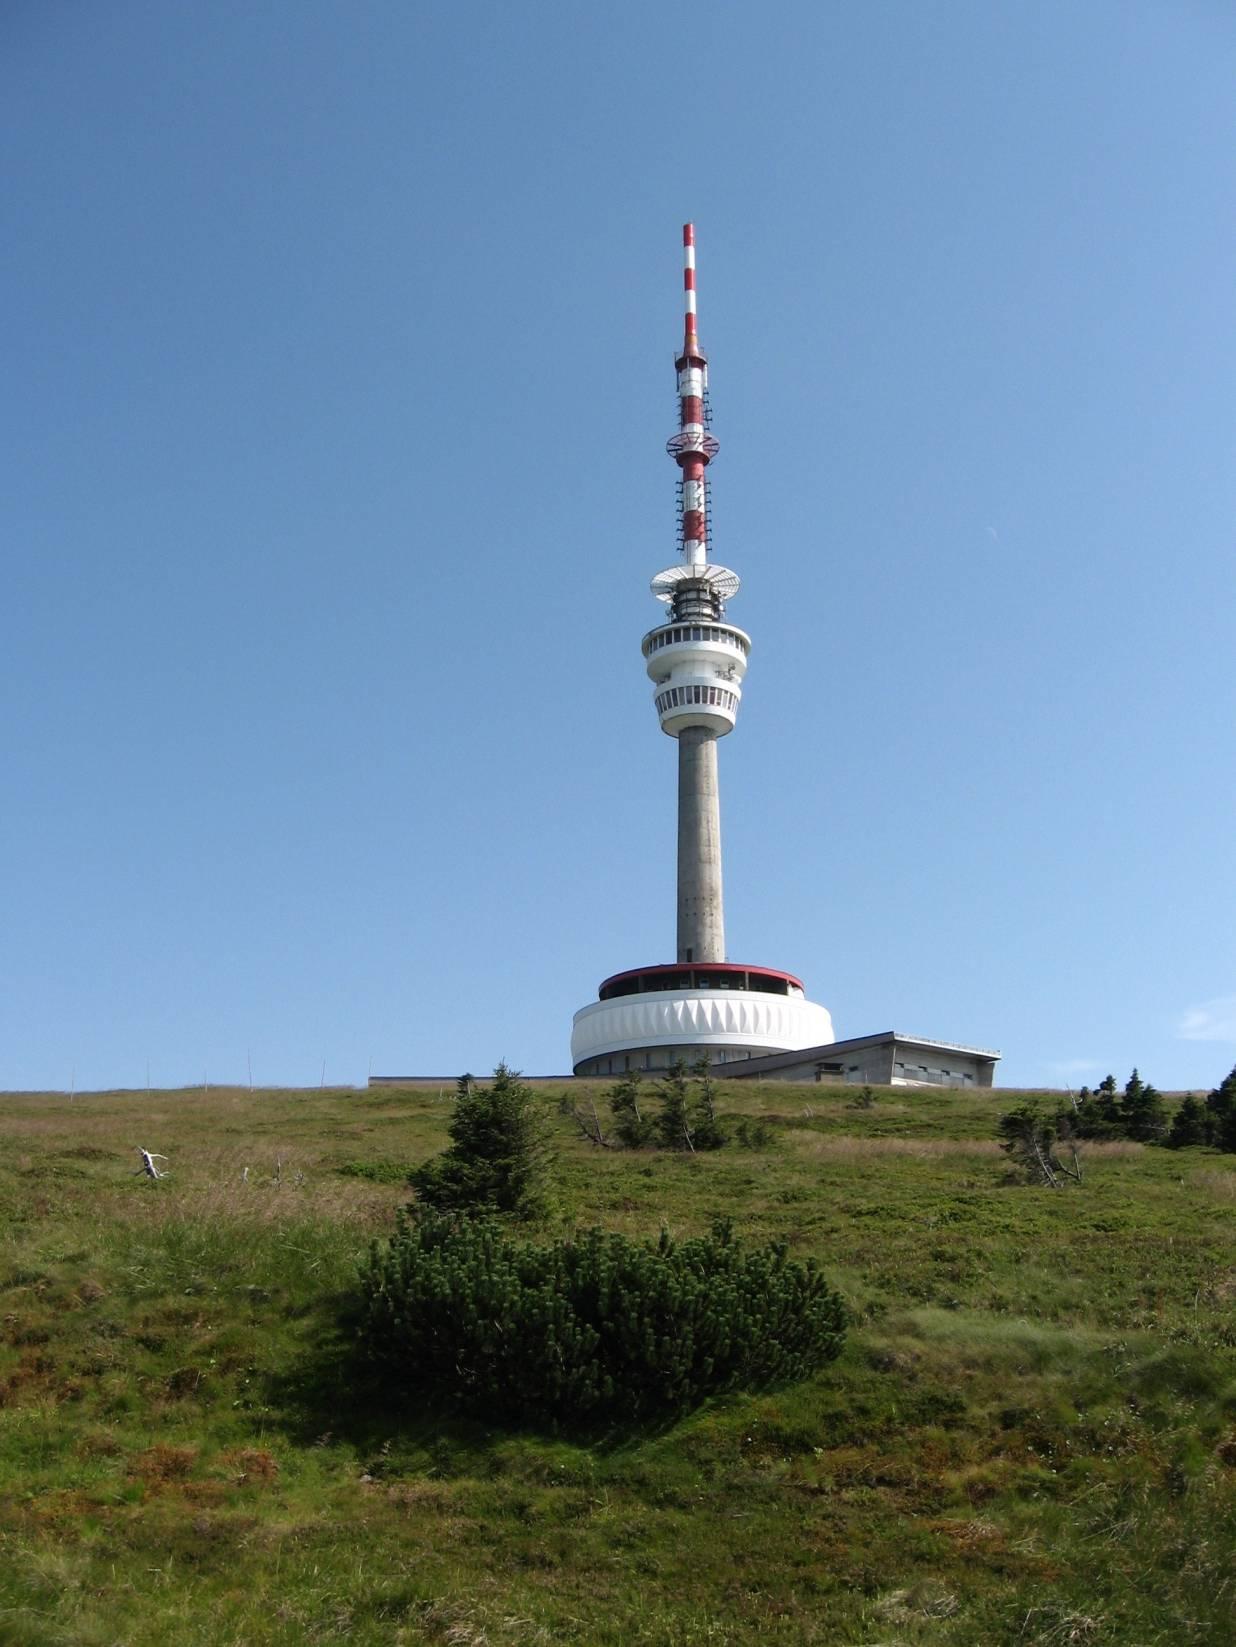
[650,1028]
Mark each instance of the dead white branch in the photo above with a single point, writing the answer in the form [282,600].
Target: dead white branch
[1045,1163]
[589,1123]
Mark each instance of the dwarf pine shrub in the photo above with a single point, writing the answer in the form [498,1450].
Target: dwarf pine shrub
[595,1327]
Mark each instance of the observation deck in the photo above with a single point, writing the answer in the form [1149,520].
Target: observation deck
[698,670]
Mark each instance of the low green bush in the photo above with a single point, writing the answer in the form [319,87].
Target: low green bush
[376,1172]
[595,1327]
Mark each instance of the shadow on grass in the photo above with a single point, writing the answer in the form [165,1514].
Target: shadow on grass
[338,1392]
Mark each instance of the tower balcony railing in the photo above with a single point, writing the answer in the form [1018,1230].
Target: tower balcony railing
[682,634]
[698,695]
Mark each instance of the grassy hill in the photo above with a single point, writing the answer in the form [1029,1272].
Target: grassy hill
[1030,1437]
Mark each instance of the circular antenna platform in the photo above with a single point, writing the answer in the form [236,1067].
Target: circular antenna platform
[719,580]
[680,445]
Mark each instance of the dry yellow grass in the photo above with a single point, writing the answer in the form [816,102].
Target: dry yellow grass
[842,1146]
[231,1155]
[215,1190]
[1114,1149]
[1215,1181]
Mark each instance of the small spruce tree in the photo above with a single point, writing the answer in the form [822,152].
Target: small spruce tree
[1190,1125]
[673,1122]
[1143,1114]
[1221,1108]
[499,1151]
[705,1126]
[1106,1102]
[632,1127]
[686,1116]
[1097,1114]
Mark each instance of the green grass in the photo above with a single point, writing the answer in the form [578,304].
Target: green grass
[1030,1437]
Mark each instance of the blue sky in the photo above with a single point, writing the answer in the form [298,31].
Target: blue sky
[339,344]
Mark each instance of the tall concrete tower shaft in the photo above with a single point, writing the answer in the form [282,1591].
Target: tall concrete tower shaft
[701,912]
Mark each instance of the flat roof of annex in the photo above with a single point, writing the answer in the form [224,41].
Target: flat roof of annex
[833,1049]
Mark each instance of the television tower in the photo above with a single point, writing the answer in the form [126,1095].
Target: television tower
[698,666]
[645,1018]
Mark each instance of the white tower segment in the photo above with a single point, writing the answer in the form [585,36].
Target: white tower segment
[697,670]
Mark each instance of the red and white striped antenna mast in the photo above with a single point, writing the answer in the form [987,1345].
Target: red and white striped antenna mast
[691,343]
[693,449]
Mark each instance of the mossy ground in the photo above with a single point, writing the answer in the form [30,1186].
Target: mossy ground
[1030,1437]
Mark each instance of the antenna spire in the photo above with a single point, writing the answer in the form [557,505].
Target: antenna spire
[692,448]
[690,340]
